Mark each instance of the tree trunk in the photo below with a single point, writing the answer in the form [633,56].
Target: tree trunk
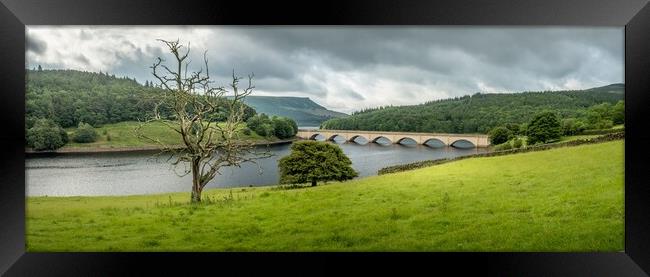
[196,195]
[313,182]
[196,183]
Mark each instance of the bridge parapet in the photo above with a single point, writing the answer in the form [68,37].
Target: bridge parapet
[478,140]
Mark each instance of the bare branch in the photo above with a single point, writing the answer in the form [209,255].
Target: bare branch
[206,146]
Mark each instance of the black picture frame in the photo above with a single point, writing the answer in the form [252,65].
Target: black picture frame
[633,14]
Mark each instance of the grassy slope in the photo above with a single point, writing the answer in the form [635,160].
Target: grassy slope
[577,137]
[566,199]
[122,135]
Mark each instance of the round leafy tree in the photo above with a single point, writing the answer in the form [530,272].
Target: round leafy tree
[500,135]
[85,133]
[572,126]
[543,128]
[260,124]
[513,127]
[618,112]
[45,134]
[283,127]
[314,161]
[264,129]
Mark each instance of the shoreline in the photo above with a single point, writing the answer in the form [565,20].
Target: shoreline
[274,186]
[385,170]
[131,149]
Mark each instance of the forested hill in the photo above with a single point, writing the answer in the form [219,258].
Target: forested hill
[301,109]
[480,112]
[70,96]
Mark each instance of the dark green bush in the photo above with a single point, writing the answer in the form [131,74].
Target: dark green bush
[572,126]
[500,135]
[618,113]
[264,130]
[281,127]
[544,127]
[514,128]
[85,133]
[45,134]
[255,121]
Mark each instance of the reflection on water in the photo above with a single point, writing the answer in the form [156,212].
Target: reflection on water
[141,173]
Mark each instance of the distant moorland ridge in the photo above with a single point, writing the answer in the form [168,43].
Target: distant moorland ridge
[302,109]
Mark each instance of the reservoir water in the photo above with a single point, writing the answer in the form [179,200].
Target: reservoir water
[142,173]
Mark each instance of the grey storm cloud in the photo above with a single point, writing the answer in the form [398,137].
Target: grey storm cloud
[36,45]
[356,95]
[347,68]
[83,59]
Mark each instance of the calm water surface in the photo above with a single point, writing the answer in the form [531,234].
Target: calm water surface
[140,173]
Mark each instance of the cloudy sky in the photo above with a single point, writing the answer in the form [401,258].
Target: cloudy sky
[349,68]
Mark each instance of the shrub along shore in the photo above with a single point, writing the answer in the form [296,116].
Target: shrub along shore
[88,150]
[404,167]
[120,137]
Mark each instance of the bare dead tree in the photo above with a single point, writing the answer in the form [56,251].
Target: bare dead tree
[207,146]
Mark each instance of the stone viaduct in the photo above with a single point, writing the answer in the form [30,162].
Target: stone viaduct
[478,140]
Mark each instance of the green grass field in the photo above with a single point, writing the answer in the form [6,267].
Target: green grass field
[565,199]
[122,134]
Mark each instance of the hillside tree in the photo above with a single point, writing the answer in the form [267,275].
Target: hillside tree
[500,135]
[544,127]
[45,134]
[315,161]
[208,146]
[85,133]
